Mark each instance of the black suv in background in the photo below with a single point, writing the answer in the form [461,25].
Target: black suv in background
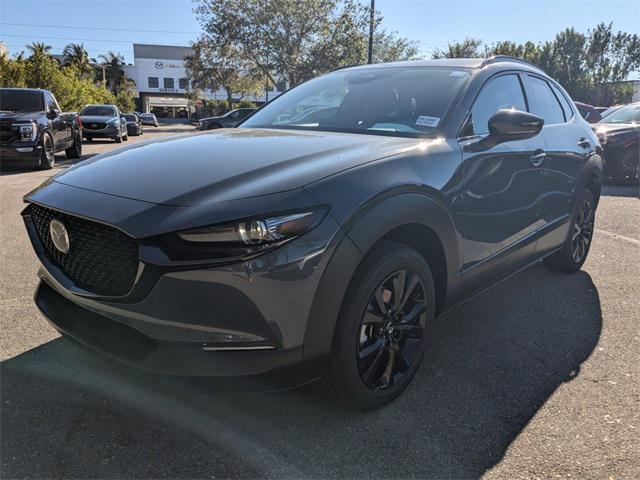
[33,129]
[134,124]
[228,120]
[104,121]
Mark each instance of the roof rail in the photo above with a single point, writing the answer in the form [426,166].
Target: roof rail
[507,58]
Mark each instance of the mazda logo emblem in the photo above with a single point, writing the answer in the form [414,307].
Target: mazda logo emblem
[59,235]
[159,65]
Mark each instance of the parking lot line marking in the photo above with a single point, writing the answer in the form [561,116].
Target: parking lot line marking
[624,238]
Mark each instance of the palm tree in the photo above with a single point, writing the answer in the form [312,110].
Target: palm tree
[39,49]
[76,55]
[113,62]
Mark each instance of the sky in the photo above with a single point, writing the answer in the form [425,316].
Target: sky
[116,24]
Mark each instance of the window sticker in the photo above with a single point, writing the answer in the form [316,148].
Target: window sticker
[426,121]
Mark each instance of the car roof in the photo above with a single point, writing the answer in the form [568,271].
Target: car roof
[472,63]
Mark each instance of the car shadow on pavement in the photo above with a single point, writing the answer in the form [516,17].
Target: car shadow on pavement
[491,364]
[611,190]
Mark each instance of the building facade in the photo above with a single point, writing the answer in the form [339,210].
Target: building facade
[161,81]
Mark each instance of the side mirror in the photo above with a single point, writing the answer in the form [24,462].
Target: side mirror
[53,114]
[507,126]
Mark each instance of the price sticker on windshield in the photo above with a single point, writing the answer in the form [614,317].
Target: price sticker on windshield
[426,121]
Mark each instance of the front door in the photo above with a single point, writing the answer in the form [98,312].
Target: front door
[498,209]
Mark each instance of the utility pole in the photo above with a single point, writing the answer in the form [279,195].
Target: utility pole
[372,14]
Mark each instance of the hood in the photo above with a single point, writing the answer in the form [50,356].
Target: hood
[12,117]
[603,128]
[227,164]
[96,118]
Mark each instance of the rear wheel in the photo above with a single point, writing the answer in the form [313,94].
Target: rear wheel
[379,340]
[48,155]
[575,249]
[75,150]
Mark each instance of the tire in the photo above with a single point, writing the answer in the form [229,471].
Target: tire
[374,355]
[75,150]
[126,137]
[48,155]
[118,139]
[575,249]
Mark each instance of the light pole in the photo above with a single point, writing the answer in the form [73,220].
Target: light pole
[372,13]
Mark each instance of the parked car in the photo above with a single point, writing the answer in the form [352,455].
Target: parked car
[33,129]
[103,121]
[300,250]
[588,112]
[619,134]
[149,119]
[134,124]
[229,120]
[609,110]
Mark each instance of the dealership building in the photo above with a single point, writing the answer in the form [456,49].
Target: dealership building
[161,81]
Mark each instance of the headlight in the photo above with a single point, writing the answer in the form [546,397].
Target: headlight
[258,232]
[27,132]
[114,121]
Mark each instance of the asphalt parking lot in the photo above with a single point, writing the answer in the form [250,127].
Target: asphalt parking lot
[538,378]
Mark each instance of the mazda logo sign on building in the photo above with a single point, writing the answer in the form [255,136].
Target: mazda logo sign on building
[59,235]
[159,65]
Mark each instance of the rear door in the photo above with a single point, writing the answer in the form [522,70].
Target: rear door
[499,212]
[567,148]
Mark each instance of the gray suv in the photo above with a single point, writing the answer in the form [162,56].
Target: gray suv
[300,246]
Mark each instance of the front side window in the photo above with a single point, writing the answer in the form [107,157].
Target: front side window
[153,82]
[396,101]
[502,93]
[168,82]
[542,101]
[52,102]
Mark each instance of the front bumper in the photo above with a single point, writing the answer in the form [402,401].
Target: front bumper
[110,131]
[244,319]
[20,155]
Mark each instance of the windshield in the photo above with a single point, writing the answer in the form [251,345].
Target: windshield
[21,101]
[131,118]
[626,114]
[99,111]
[407,101]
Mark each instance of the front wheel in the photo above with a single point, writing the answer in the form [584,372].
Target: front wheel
[575,249]
[48,155]
[380,336]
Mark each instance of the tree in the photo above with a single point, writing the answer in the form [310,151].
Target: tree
[39,49]
[219,66]
[469,48]
[113,63]
[297,43]
[75,54]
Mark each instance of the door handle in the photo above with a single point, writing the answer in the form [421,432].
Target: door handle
[584,143]
[538,158]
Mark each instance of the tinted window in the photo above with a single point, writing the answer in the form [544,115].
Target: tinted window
[21,101]
[410,102]
[168,82]
[52,103]
[501,93]
[153,82]
[99,111]
[542,101]
[626,114]
[131,118]
[568,111]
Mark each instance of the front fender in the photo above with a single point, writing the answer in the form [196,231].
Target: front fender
[363,229]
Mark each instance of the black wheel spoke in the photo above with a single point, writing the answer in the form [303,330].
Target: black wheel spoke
[391,329]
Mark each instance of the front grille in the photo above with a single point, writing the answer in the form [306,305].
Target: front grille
[101,259]
[7,134]
[94,126]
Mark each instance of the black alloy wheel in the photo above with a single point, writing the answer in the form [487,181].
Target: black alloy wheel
[380,336]
[582,230]
[75,150]
[391,330]
[48,158]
